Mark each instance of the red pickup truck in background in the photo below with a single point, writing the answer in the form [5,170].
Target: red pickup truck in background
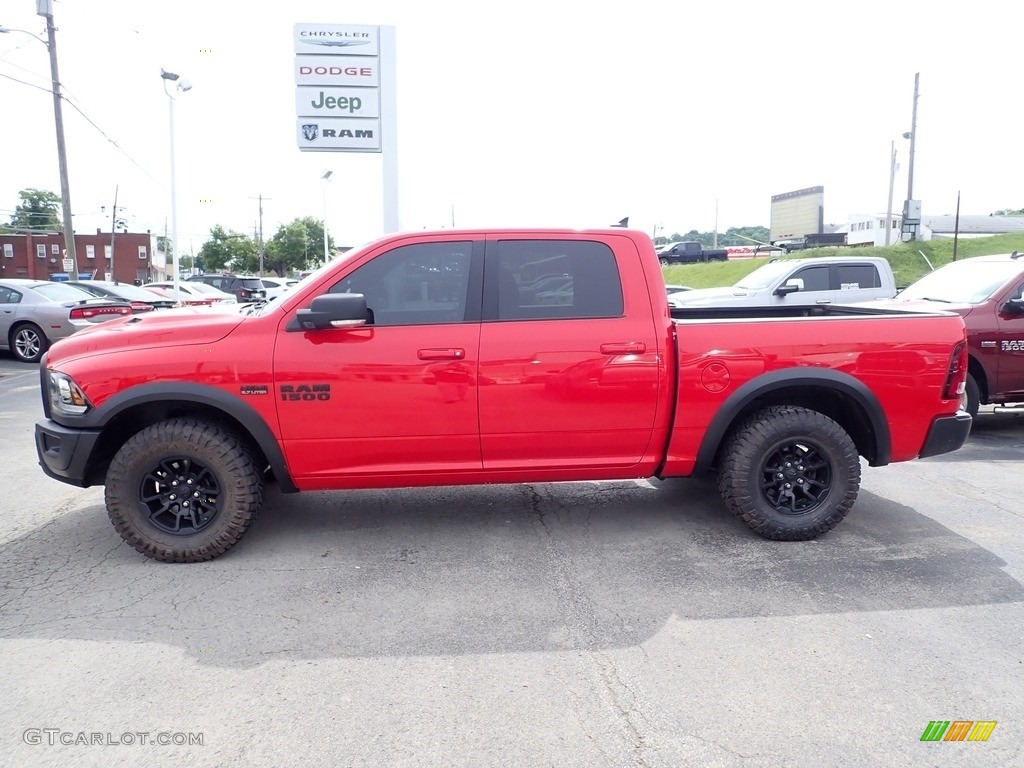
[988,292]
[456,357]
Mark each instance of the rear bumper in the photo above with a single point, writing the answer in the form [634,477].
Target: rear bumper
[64,453]
[947,434]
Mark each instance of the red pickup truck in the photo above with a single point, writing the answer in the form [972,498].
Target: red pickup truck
[454,357]
[988,292]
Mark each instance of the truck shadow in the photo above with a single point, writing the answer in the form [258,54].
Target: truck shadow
[493,569]
[994,437]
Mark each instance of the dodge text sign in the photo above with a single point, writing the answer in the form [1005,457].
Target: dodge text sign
[336,70]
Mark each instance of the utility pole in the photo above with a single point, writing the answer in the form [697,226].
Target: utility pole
[45,8]
[261,198]
[113,231]
[714,237]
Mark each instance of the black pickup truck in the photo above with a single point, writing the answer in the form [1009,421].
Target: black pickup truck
[689,252]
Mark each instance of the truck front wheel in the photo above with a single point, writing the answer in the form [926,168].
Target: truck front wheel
[182,490]
[789,473]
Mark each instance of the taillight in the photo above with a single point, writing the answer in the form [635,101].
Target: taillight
[956,377]
[88,313]
[243,293]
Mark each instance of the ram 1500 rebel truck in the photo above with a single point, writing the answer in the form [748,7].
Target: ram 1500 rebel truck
[825,280]
[988,291]
[689,252]
[453,358]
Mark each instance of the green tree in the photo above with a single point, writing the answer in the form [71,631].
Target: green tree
[229,250]
[163,244]
[39,211]
[1010,212]
[296,246]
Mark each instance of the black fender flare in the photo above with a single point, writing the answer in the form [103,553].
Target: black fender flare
[815,378]
[203,394]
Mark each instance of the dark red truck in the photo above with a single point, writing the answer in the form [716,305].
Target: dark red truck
[456,357]
[988,292]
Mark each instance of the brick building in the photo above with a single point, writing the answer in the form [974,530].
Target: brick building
[40,256]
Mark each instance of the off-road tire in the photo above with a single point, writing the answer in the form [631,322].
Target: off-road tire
[225,490]
[28,342]
[798,446]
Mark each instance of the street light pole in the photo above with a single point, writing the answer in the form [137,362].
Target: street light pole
[326,177]
[911,211]
[892,179]
[182,86]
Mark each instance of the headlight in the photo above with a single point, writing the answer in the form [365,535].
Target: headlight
[66,396]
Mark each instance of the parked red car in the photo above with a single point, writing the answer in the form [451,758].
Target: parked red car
[988,292]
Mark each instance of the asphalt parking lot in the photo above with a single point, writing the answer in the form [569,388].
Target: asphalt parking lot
[579,624]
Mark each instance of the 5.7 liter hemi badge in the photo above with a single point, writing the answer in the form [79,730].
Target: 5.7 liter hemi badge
[305,392]
[255,389]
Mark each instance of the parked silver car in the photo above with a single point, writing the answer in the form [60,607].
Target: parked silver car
[36,313]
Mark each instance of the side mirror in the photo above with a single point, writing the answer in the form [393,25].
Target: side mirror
[1014,306]
[333,310]
[792,285]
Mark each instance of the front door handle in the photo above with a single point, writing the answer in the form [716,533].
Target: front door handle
[624,348]
[449,353]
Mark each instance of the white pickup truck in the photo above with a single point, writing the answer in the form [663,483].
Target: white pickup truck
[827,280]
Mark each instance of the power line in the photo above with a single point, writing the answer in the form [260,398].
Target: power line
[88,119]
[25,82]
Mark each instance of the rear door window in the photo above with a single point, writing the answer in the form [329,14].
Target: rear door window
[554,279]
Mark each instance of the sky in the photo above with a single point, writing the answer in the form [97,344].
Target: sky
[532,114]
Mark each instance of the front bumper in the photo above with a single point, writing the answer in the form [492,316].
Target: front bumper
[64,453]
[947,434]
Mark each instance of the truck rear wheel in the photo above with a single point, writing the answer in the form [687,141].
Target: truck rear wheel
[971,400]
[182,491]
[789,473]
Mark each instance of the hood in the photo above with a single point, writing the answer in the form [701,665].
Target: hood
[163,328]
[703,296]
[918,305]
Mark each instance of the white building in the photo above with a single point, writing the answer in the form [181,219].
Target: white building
[869,229]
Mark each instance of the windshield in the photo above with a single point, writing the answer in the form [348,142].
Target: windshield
[127,291]
[964,282]
[762,277]
[199,287]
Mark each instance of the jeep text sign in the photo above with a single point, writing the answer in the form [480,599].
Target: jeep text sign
[325,101]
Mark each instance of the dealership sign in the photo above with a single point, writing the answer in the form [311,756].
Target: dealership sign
[326,101]
[338,88]
[339,133]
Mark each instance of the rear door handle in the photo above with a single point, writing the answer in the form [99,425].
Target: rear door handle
[624,348]
[449,353]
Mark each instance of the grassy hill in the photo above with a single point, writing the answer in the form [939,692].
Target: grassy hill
[905,258]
